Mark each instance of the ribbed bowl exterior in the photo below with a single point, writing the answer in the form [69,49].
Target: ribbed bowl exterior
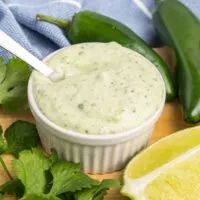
[94,159]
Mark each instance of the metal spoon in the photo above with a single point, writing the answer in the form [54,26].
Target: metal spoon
[13,47]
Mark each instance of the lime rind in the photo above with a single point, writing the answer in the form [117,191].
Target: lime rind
[137,186]
[134,187]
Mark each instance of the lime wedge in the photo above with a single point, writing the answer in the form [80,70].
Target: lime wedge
[167,170]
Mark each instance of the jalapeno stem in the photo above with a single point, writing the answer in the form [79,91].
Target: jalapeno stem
[59,22]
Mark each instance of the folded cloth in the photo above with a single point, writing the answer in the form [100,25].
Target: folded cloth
[17,19]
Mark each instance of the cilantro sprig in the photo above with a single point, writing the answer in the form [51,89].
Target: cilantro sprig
[14,77]
[66,179]
[44,177]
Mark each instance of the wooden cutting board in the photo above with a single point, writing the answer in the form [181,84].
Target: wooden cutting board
[169,122]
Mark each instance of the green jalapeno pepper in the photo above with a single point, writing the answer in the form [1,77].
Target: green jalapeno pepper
[180,29]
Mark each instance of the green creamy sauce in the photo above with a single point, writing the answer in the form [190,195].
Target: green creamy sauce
[107,89]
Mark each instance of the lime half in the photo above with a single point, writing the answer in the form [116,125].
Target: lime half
[166,170]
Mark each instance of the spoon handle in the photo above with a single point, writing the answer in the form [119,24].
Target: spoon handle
[13,47]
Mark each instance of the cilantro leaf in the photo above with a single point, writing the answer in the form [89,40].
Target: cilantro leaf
[97,192]
[39,197]
[54,156]
[12,187]
[21,135]
[67,196]
[3,145]
[2,70]
[30,169]
[68,178]
[49,178]
[45,178]
[13,84]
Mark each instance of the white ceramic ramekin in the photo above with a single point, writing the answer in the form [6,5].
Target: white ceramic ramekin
[96,153]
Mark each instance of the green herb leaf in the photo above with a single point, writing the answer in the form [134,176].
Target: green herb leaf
[30,169]
[39,197]
[54,156]
[3,145]
[67,196]
[12,187]
[97,192]
[68,178]
[45,178]
[13,84]
[2,70]
[21,135]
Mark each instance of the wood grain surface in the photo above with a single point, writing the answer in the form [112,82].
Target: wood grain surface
[169,122]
